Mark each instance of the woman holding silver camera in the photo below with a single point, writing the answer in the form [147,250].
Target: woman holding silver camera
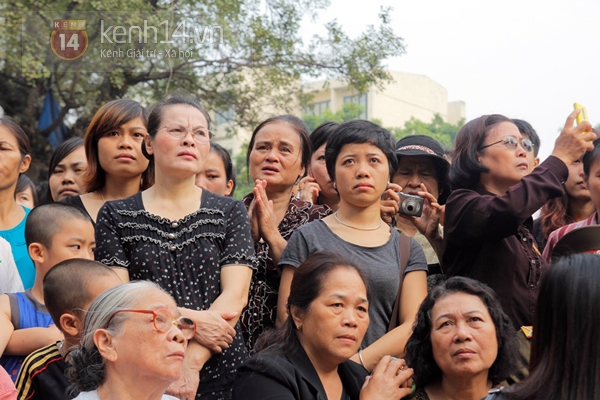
[423,171]
[360,160]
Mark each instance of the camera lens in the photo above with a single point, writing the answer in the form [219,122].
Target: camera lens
[410,207]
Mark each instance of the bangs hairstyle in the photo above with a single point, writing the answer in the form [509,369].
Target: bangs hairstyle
[526,129]
[299,126]
[62,151]
[25,182]
[465,171]
[419,349]
[356,132]
[110,116]
[74,273]
[589,157]
[321,134]
[45,221]
[227,163]
[18,133]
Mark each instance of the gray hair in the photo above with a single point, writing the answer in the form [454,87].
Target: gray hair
[86,371]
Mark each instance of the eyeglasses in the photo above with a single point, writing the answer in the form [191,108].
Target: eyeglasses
[162,320]
[511,142]
[179,131]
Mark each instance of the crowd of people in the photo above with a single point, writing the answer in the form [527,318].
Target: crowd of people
[357,268]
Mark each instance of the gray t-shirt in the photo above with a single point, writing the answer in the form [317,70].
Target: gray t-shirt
[93,395]
[381,263]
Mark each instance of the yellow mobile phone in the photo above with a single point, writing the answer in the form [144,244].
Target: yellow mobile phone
[583,116]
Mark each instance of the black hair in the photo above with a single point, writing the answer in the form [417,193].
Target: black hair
[19,134]
[419,349]
[45,221]
[321,134]
[589,157]
[565,356]
[23,183]
[75,273]
[360,131]
[227,163]
[60,153]
[299,126]
[465,170]
[526,129]
[156,113]
[307,285]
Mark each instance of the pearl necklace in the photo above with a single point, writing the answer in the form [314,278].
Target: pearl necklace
[335,215]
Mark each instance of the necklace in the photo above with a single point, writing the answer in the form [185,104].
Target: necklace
[335,215]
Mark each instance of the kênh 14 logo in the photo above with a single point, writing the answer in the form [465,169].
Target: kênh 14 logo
[69,39]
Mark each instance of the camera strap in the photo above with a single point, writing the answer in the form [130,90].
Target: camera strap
[404,254]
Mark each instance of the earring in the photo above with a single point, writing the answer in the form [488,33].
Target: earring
[334,185]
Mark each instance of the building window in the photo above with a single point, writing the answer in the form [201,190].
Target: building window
[317,108]
[361,100]
[224,116]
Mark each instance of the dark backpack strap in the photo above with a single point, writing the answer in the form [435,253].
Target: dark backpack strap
[15,316]
[404,257]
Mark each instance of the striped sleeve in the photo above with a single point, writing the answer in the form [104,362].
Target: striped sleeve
[34,364]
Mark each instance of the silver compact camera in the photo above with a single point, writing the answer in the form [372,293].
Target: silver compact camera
[411,205]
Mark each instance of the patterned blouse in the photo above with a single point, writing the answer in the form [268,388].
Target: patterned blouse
[262,304]
[184,257]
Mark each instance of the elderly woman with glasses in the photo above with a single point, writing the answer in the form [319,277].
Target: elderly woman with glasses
[488,215]
[133,344]
[195,244]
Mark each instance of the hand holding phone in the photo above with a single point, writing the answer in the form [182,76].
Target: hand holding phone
[583,116]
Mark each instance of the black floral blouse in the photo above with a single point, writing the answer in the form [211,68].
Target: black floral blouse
[184,257]
[262,303]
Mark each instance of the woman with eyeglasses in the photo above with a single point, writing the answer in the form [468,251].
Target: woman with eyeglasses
[487,231]
[195,244]
[133,344]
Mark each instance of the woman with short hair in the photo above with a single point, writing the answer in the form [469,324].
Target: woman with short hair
[277,158]
[463,344]
[116,166]
[361,159]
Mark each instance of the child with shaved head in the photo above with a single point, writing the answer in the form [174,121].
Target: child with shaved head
[69,289]
[53,233]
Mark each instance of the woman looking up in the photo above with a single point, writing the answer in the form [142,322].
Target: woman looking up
[113,146]
[277,158]
[487,230]
[194,244]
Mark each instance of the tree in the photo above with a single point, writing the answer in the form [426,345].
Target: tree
[438,129]
[348,112]
[245,54]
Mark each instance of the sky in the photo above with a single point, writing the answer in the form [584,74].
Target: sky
[528,59]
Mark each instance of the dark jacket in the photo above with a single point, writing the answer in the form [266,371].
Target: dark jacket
[272,374]
[487,237]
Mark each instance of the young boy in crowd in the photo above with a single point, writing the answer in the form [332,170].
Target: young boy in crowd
[69,289]
[53,233]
